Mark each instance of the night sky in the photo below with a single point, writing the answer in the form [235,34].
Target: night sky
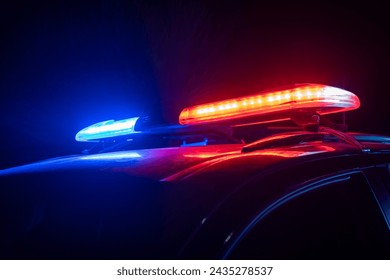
[65,65]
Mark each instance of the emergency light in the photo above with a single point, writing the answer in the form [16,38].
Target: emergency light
[273,105]
[269,106]
[107,129]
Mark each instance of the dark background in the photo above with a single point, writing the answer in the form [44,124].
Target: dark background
[66,65]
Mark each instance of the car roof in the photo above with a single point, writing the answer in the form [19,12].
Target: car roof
[177,163]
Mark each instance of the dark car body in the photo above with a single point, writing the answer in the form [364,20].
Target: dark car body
[312,198]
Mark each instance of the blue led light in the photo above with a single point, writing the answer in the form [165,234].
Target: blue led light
[107,129]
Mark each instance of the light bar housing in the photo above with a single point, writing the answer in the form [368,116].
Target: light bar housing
[107,129]
[272,106]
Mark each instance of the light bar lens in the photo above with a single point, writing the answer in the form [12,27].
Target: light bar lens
[320,98]
[107,129]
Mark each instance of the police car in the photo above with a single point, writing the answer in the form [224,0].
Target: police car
[196,190]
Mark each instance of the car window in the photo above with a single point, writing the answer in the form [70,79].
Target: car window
[379,177]
[340,220]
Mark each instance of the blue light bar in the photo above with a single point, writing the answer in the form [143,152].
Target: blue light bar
[107,129]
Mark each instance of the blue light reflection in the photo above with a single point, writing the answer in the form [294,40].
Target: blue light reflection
[112,156]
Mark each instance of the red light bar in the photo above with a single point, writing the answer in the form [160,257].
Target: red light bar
[320,99]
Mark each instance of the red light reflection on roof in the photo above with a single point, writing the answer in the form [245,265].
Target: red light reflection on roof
[210,155]
[295,153]
[292,152]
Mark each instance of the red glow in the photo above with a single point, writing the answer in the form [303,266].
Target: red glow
[295,153]
[210,155]
[291,152]
[320,98]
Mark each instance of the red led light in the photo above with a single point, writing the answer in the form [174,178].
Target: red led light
[319,98]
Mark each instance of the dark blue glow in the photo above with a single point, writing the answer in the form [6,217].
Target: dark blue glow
[107,129]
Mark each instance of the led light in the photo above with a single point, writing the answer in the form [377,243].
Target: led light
[320,99]
[107,129]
